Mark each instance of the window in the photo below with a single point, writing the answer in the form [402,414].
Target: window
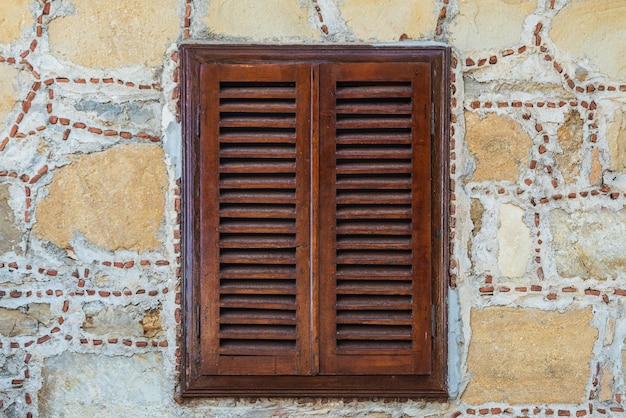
[314,220]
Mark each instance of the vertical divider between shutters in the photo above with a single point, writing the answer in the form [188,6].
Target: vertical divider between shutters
[303,226]
[315,221]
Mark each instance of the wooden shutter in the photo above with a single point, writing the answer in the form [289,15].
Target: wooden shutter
[314,221]
[255,219]
[375,203]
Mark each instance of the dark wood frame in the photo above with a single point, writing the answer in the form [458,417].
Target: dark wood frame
[193,383]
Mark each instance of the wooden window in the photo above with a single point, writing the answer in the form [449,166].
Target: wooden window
[314,221]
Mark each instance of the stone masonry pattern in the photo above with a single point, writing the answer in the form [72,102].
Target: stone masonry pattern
[90,168]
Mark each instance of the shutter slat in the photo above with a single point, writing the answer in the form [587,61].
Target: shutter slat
[374,242]
[255,347]
[373,317]
[258,196]
[258,271]
[257,91]
[250,286]
[373,138]
[242,316]
[257,241]
[248,181]
[241,121]
[380,287]
[360,227]
[276,226]
[374,302]
[259,136]
[258,151]
[383,212]
[374,123]
[261,332]
[365,198]
[374,108]
[260,302]
[257,211]
[372,182]
[270,106]
[374,90]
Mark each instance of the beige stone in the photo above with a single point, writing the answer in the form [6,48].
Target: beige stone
[8,84]
[606,393]
[14,18]
[593,30]
[152,323]
[589,244]
[498,144]
[529,356]
[514,241]
[387,20]
[487,24]
[25,321]
[570,136]
[616,136]
[115,198]
[476,214]
[260,20]
[10,234]
[595,174]
[115,33]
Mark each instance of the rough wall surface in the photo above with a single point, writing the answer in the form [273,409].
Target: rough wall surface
[90,150]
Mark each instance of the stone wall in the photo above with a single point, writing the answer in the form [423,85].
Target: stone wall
[90,151]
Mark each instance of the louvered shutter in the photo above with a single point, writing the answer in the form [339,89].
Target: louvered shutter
[254,290]
[314,220]
[375,203]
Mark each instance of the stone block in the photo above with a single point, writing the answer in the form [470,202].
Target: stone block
[24,321]
[10,234]
[14,19]
[514,241]
[570,136]
[488,24]
[529,356]
[499,146]
[8,84]
[110,320]
[593,30]
[152,323]
[115,198]
[589,244]
[595,173]
[476,214]
[616,136]
[278,20]
[115,33]
[82,385]
[387,20]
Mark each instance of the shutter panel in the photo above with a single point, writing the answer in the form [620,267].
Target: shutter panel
[255,217]
[375,203]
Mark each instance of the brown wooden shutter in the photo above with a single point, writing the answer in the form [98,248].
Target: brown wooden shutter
[315,244]
[375,194]
[255,219]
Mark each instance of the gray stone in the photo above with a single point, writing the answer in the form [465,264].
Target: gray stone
[10,235]
[114,320]
[83,385]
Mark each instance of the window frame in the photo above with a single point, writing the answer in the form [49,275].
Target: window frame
[193,382]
